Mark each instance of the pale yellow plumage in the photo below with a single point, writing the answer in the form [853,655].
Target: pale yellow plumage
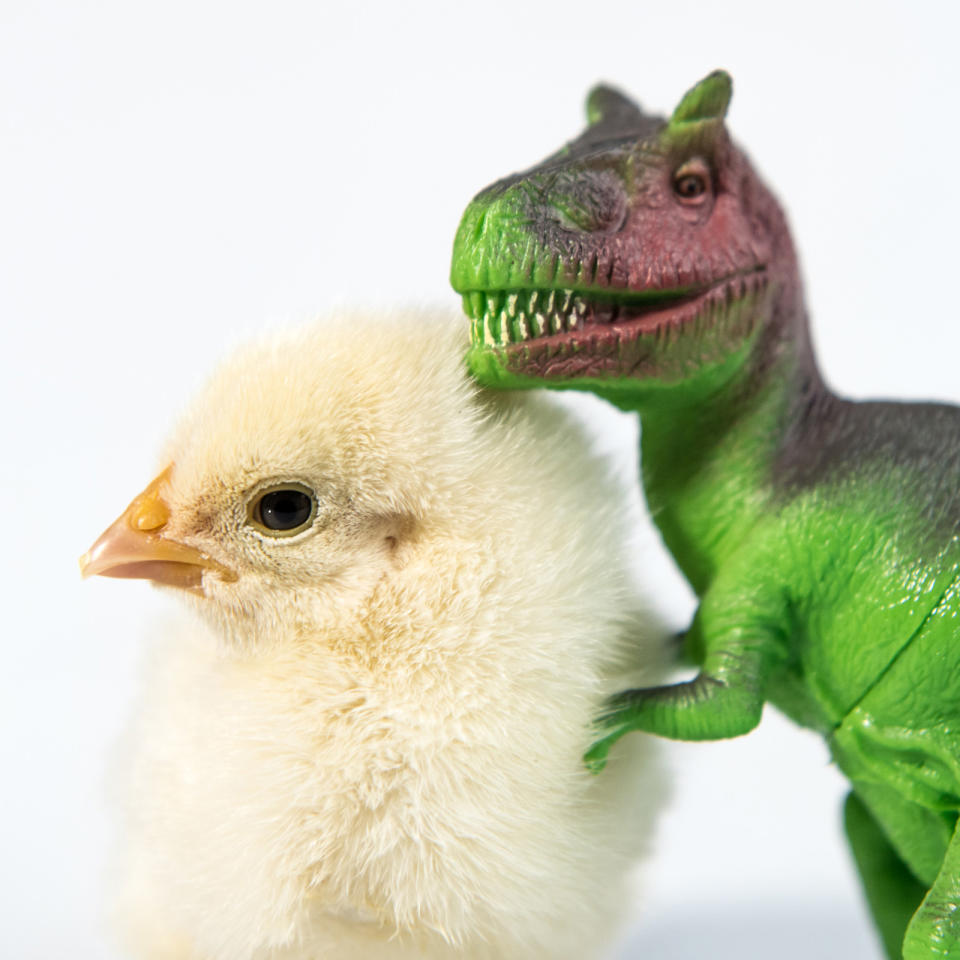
[369,745]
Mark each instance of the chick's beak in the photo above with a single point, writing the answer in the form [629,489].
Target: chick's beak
[134,546]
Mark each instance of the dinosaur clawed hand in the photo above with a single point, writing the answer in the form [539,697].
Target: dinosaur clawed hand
[618,720]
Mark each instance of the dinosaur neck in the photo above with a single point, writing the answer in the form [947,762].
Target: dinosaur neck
[709,447]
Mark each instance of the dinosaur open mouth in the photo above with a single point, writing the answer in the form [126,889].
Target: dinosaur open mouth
[505,317]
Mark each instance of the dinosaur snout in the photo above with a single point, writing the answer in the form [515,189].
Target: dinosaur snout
[528,232]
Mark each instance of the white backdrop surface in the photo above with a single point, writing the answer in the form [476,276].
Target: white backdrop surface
[177,176]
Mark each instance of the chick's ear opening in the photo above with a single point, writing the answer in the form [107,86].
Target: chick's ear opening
[396,530]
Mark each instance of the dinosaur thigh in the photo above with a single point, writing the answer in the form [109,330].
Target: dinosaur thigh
[900,745]
[905,730]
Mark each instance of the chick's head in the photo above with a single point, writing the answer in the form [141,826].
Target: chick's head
[303,469]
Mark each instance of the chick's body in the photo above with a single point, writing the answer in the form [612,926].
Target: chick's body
[369,745]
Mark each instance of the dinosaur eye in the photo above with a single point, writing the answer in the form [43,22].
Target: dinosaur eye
[284,511]
[691,182]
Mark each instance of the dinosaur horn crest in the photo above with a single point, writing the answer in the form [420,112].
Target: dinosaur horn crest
[605,104]
[708,100]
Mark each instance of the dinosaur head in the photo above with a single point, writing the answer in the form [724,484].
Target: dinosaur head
[644,250]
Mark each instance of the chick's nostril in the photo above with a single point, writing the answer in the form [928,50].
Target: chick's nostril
[149,511]
[150,514]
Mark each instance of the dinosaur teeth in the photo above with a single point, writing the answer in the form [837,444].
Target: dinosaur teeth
[577,314]
[493,328]
[521,315]
[518,316]
[518,330]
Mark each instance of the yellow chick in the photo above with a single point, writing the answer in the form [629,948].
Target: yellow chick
[416,597]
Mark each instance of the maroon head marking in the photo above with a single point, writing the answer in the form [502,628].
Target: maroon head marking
[644,248]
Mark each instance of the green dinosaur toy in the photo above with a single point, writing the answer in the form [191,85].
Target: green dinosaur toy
[646,261]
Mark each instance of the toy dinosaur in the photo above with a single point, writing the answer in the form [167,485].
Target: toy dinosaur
[645,261]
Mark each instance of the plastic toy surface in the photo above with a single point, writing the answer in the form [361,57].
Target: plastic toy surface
[647,262]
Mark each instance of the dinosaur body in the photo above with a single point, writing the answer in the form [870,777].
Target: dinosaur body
[647,262]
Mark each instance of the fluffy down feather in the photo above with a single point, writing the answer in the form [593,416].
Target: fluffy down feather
[369,744]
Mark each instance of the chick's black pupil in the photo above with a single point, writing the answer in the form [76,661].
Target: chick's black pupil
[285,509]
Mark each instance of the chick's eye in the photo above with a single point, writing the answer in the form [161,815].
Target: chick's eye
[284,510]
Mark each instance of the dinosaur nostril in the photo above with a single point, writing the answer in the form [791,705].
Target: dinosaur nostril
[593,202]
[590,219]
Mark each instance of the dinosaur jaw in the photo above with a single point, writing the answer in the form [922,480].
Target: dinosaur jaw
[564,334]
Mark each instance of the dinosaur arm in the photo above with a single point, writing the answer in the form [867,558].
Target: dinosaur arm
[738,634]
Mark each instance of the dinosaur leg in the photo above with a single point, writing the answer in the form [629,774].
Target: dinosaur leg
[893,893]
[919,836]
[934,931]
[904,849]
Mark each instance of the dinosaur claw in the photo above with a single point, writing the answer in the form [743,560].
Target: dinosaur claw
[595,759]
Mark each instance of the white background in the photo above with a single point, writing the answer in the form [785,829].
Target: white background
[176,176]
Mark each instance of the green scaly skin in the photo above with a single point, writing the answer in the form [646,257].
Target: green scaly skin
[646,262]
